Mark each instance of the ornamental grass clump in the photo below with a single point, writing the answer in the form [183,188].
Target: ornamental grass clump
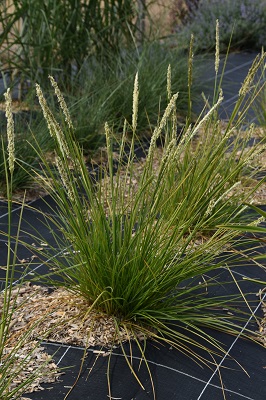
[132,241]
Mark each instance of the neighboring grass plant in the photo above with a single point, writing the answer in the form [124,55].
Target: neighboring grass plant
[128,254]
[217,159]
[54,37]
[14,359]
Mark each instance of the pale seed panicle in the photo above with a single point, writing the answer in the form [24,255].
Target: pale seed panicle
[10,131]
[246,86]
[135,103]
[217,48]
[64,178]
[209,113]
[190,61]
[53,126]
[61,102]
[158,129]
[169,82]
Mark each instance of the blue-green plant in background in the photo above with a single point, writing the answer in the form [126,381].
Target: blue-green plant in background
[245,18]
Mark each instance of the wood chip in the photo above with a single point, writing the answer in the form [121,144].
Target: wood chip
[57,316]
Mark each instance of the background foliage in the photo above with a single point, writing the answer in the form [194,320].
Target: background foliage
[245,18]
[56,37]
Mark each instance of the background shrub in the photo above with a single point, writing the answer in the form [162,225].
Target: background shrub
[246,18]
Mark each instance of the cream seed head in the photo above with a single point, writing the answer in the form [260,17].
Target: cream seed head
[190,61]
[185,138]
[53,126]
[61,102]
[45,108]
[170,151]
[168,110]
[60,137]
[209,113]
[169,82]
[107,135]
[257,221]
[135,103]
[228,192]
[217,48]
[64,178]
[158,129]
[10,131]
[251,74]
